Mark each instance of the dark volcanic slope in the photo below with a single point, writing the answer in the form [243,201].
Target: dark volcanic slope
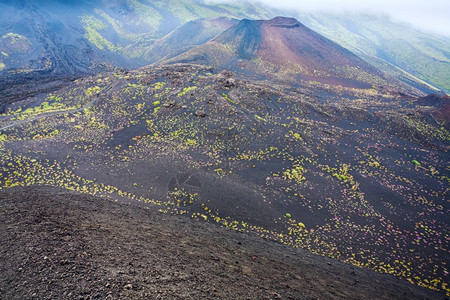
[185,37]
[359,176]
[287,48]
[438,107]
[59,245]
[288,43]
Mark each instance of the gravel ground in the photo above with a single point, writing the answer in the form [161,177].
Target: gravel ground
[62,245]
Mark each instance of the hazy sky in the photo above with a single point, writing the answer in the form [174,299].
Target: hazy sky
[430,15]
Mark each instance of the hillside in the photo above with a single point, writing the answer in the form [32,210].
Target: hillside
[48,37]
[44,38]
[395,47]
[285,48]
[356,175]
[82,247]
[74,37]
[200,149]
[44,45]
[189,35]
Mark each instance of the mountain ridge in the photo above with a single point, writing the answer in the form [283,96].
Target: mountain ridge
[398,48]
[283,47]
[121,34]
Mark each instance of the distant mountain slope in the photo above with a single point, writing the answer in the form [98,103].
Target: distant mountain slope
[56,37]
[37,39]
[191,34]
[394,47]
[285,48]
[73,37]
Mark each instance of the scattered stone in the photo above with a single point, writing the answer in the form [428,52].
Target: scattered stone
[230,82]
[200,113]
[129,286]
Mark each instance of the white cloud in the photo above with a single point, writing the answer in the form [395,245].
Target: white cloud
[429,15]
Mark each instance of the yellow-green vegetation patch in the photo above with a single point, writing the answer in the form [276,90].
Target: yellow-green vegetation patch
[296,174]
[260,118]
[16,42]
[2,66]
[46,135]
[93,90]
[159,85]
[92,25]
[45,107]
[186,12]
[186,90]
[229,99]
[147,14]
[52,97]
[120,29]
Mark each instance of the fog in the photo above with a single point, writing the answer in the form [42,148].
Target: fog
[430,15]
[427,15]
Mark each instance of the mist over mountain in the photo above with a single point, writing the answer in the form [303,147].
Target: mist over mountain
[396,48]
[430,16]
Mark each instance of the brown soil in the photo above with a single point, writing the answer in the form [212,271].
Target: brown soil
[61,245]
